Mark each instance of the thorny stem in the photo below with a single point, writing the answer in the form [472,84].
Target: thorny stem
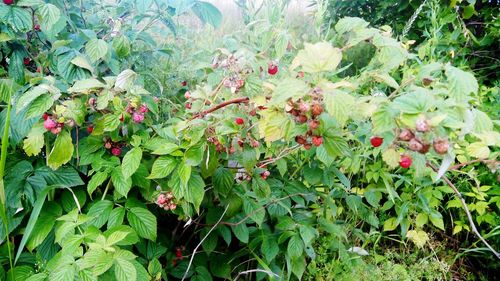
[486,161]
[219,106]
[466,209]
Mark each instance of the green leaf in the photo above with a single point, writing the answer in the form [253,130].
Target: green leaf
[390,224]
[17,18]
[20,273]
[207,13]
[116,217]
[63,273]
[124,270]
[125,80]
[162,167]
[44,224]
[122,185]
[131,162]
[16,62]
[29,96]
[419,237]
[38,277]
[49,15]
[295,246]
[121,44]
[96,181]
[462,84]
[62,151]
[184,173]
[86,86]
[347,24]
[339,105]
[289,88]
[318,57]
[421,219]
[82,62]
[223,181]
[241,232]
[111,122]
[143,222]
[195,191]
[436,219]
[96,49]
[100,212]
[40,105]
[478,150]
[194,155]
[35,141]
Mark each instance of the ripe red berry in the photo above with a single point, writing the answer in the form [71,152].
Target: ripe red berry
[8,2]
[56,130]
[143,109]
[376,141]
[184,83]
[138,117]
[178,253]
[45,116]
[90,129]
[239,121]
[301,139]
[272,68]
[188,105]
[187,95]
[38,70]
[26,61]
[122,117]
[317,140]
[36,27]
[300,74]
[255,143]
[405,162]
[162,199]
[307,146]
[316,109]
[49,124]
[116,151]
[301,119]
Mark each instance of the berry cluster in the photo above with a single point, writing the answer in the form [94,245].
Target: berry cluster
[166,201]
[115,147]
[136,112]
[304,112]
[54,124]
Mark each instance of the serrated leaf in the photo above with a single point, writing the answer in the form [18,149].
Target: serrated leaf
[131,162]
[48,15]
[122,185]
[40,105]
[125,80]
[143,222]
[62,151]
[478,150]
[82,62]
[462,83]
[17,18]
[162,167]
[96,181]
[339,105]
[223,181]
[86,86]
[96,49]
[35,141]
[419,237]
[295,246]
[318,57]
[124,270]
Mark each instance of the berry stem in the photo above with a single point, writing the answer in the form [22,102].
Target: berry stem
[219,106]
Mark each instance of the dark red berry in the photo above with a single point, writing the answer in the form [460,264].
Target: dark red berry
[27,61]
[45,116]
[8,2]
[36,27]
[415,145]
[405,161]
[184,83]
[316,109]
[376,141]
[239,121]
[301,119]
[188,105]
[178,253]
[116,151]
[301,139]
[90,129]
[272,68]
[307,146]
[265,174]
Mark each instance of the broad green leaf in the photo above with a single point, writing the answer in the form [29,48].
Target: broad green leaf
[38,277]
[124,270]
[390,224]
[28,97]
[100,212]
[111,122]
[223,181]
[195,190]
[20,273]
[63,273]
[49,15]
[122,185]
[96,49]
[295,246]
[62,151]
[347,24]
[436,219]
[421,219]
[162,167]
[318,57]
[184,173]
[82,62]
[125,80]
[86,86]
[143,222]
[34,142]
[16,65]
[116,217]
[121,44]
[289,88]
[96,181]
[462,84]
[44,224]
[131,162]
[17,18]
[339,104]
[241,232]
[207,13]
[40,105]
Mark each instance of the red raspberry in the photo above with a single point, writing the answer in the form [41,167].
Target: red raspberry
[143,109]
[45,116]
[138,117]
[8,2]
[90,129]
[49,124]
[265,174]
[272,68]
[376,141]
[301,139]
[239,121]
[313,124]
[441,145]
[56,130]
[405,162]
[187,95]
[184,83]
[317,140]
[162,199]
[36,27]
[27,61]
[116,151]
[188,105]
[316,109]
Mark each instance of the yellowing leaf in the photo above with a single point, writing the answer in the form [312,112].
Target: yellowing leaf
[86,86]
[339,105]
[419,237]
[391,157]
[62,151]
[34,141]
[478,150]
[273,125]
[318,57]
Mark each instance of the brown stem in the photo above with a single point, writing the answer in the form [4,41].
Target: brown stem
[458,166]
[219,106]
[466,209]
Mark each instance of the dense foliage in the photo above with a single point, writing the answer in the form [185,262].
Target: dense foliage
[140,150]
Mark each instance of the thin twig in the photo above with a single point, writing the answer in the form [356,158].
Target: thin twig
[270,273]
[221,105]
[202,240]
[404,84]
[285,152]
[486,161]
[466,209]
